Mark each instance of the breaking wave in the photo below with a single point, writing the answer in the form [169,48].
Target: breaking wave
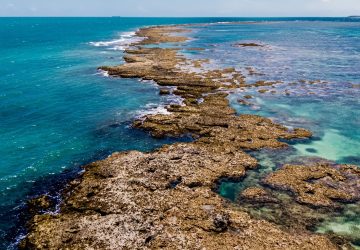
[126,38]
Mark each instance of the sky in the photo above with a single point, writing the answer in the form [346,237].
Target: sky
[183,8]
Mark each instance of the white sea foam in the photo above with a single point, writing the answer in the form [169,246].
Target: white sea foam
[103,73]
[152,109]
[174,99]
[107,43]
[126,38]
[118,47]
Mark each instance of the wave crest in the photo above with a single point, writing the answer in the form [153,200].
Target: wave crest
[122,43]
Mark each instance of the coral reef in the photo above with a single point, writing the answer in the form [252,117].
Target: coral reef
[162,199]
[320,185]
[166,199]
[257,195]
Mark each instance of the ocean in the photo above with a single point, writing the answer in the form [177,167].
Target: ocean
[58,112]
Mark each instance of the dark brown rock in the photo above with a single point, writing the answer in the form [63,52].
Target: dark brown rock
[40,204]
[243,102]
[248,45]
[135,208]
[257,195]
[262,91]
[321,185]
[164,92]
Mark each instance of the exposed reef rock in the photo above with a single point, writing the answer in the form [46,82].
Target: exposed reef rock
[262,91]
[289,215]
[160,34]
[212,119]
[164,92]
[243,102]
[215,123]
[248,45]
[166,199]
[163,199]
[257,195]
[39,204]
[321,185]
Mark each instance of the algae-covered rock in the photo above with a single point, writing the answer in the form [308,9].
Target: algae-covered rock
[262,91]
[165,199]
[257,195]
[243,102]
[39,204]
[321,185]
[164,92]
[248,45]
[248,97]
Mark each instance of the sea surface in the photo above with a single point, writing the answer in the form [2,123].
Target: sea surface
[58,112]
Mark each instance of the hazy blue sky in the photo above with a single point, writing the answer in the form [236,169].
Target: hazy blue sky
[179,7]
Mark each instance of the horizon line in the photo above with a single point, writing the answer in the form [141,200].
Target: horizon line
[177,16]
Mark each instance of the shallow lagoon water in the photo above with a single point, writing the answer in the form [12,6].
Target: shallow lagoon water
[318,66]
[58,112]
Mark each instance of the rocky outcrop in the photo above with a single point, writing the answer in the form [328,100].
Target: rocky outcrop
[161,34]
[248,45]
[321,185]
[164,92]
[211,118]
[165,199]
[257,195]
[40,204]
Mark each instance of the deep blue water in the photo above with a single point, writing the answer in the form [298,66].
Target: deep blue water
[58,112]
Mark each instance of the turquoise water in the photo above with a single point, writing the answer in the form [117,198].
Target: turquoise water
[58,112]
[327,52]
[318,64]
